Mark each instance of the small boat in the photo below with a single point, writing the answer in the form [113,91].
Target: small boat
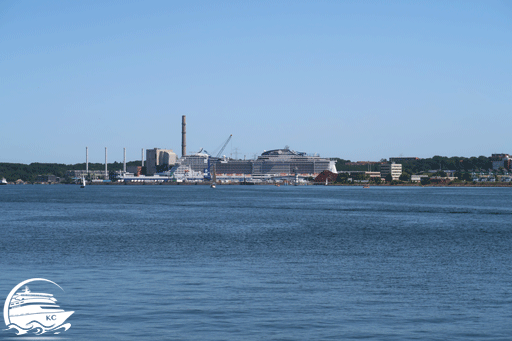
[83,183]
[213,185]
[3,181]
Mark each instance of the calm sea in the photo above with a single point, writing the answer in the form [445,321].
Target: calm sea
[265,262]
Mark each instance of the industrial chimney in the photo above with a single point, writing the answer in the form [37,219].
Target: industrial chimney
[183,136]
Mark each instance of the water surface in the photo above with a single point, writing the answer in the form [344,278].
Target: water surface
[265,263]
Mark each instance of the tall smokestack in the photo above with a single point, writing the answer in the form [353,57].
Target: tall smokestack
[183,135]
[106,171]
[124,160]
[87,160]
[142,157]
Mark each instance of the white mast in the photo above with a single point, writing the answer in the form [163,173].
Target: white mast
[183,135]
[106,171]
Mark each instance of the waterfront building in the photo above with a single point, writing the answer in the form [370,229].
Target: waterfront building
[159,157]
[403,159]
[395,169]
[501,161]
[418,177]
[326,177]
[49,178]
[373,174]
[79,173]
[135,170]
[363,163]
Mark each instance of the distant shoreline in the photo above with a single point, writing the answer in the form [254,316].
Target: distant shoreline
[269,184]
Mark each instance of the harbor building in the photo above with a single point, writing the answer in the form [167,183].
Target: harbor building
[135,170]
[78,174]
[395,169]
[156,158]
[403,159]
[501,161]
[48,178]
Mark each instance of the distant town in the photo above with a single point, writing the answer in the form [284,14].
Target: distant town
[278,166]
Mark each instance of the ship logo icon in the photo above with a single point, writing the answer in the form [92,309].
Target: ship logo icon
[34,312]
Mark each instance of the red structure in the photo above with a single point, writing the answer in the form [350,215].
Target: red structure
[326,175]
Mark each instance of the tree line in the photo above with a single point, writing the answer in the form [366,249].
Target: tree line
[28,173]
[456,163]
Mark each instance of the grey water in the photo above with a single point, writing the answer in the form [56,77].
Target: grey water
[265,263]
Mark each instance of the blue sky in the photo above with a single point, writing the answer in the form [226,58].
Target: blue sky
[359,80]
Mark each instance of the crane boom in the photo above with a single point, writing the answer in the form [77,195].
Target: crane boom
[224,146]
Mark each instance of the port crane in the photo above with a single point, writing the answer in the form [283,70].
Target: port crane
[222,148]
[209,170]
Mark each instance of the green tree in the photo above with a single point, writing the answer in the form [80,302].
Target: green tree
[425,181]
[466,177]
[342,178]
[463,176]
[405,176]
[440,173]
[360,176]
